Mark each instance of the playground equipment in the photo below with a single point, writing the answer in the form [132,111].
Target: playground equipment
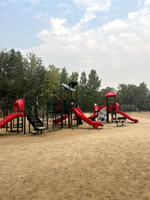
[127,116]
[37,124]
[112,109]
[62,106]
[21,112]
[67,104]
[33,118]
[102,115]
[80,114]
[18,106]
[61,112]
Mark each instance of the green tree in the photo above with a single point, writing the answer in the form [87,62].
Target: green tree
[143,90]
[74,77]
[4,90]
[64,76]
[34,76]
[11,74]
[93,86]
[142,97]
[51,82]
[83,91]
[20,76]
[132,97]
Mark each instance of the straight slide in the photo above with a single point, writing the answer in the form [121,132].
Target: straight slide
[10,117]
[127,116]
[93,116]
[59,119]
[80,114]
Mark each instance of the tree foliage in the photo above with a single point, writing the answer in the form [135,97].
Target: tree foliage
[34,76]
[74,77]
[51,82]
[20,76]
[89,89]
[64,76]
[132,97]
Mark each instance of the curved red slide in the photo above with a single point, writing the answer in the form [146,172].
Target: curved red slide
[127,116]
[10,117]
[18,105]
[80,114]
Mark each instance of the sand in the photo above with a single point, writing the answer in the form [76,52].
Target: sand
[110,163]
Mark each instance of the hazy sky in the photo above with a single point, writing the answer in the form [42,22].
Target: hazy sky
[111,36]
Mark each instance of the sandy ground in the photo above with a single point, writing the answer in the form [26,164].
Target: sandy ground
[110,163]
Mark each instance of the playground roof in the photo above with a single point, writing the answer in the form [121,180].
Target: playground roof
[73,84]
[110,94]
[68,87]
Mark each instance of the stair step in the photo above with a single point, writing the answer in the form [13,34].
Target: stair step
[41,128]
[34,132]
[15,126]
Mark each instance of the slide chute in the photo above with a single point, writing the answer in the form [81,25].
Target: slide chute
[127,116]
[10,117]
[17,106]
[80,114]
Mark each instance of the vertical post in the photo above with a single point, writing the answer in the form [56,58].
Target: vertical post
[11,126]
[36,107]
[29,127]
[22,123]
[77,104]
[6,113]
[115,107]
[47,113]
[107,110]
[77,95]
[24,116]
[17,125]
[68,108]
[61,105]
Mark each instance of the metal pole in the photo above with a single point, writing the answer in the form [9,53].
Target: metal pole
[107,110]
[24,116]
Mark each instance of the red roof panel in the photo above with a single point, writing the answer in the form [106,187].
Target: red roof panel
[110,94]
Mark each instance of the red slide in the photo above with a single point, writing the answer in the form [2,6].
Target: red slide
[18,105]
[10,117]
[59,119]
[127,116]
[80,114]
[90,117]
[93,116]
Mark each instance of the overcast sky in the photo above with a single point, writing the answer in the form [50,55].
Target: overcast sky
[111,36]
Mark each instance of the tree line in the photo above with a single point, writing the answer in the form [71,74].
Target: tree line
[26,76]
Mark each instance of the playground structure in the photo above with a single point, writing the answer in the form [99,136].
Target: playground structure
[62,106]
[112,109]
[63,112]
[102,113]
[68,104]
